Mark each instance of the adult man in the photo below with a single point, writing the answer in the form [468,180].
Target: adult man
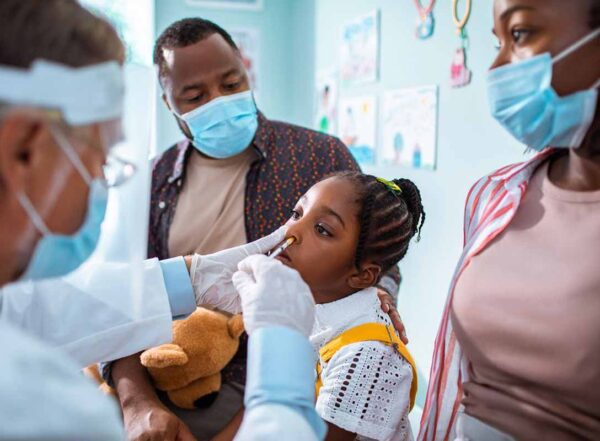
[245,172]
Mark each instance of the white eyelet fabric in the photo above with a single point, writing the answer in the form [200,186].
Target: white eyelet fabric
[366,385]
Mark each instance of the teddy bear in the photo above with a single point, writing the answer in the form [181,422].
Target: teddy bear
[189,368]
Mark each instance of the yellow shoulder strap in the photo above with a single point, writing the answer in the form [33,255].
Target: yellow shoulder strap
[368,332]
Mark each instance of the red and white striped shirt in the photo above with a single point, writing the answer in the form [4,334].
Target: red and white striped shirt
[490,207]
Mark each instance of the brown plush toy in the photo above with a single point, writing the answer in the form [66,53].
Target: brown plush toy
[189,369]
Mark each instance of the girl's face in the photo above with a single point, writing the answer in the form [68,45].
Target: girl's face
[324,224]
[530,27]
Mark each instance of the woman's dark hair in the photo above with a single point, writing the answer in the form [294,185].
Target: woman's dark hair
[388,219]
[56,30]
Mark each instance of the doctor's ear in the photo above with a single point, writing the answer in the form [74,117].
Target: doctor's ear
[366,276]
[23,135]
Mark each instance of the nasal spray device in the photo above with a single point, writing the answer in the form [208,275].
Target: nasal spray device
[281,248]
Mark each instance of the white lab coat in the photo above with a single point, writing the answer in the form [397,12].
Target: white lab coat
[94,320]
[43,396]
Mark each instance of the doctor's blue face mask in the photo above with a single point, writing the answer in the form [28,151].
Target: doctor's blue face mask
[225,126]
[522,99]
[56,255]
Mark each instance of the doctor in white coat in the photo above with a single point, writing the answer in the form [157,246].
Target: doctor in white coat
[61,100]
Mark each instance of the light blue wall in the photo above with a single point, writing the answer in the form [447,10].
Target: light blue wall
[286,56]
[470,143]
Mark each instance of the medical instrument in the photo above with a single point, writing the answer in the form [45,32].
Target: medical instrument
[280,249]
[214,270]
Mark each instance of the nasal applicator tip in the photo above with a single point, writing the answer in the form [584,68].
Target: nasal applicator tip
[281,248]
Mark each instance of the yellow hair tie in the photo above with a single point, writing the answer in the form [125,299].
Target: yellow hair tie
[391,185]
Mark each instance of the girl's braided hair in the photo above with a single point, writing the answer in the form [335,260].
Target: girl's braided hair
[389,216]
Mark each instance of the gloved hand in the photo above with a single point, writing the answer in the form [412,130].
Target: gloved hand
[211,274]
[273,295]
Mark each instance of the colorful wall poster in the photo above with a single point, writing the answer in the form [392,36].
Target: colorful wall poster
[357,127]
[409,127]
[326,101]
[360,50]
[247,41]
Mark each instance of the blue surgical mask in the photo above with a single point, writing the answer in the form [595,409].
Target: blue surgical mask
[522,100]
[225,126]
[56,255]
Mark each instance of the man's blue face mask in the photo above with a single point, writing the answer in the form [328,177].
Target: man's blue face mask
[522,100]
[225,126]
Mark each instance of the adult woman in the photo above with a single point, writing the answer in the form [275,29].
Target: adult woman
[516,351]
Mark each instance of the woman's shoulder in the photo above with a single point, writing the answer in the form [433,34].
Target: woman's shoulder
[495,184]
[517,171]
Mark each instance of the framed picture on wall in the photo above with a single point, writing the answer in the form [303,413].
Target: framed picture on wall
[357,127]
[326,99]
[409,127]
[359,51]
[249,5]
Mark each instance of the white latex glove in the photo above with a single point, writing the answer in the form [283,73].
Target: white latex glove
[211,274]
[273,295]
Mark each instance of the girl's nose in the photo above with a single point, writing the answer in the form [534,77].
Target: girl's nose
[295,230]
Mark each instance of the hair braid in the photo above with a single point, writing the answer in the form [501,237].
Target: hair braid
[365,225]
[388,219]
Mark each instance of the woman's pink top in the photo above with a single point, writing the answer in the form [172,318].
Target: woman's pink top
[526,313]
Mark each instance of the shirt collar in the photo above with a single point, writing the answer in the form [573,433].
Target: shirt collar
[522,171]
[260,143]
[331,319]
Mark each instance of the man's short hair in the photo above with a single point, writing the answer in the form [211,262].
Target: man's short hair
[184,33]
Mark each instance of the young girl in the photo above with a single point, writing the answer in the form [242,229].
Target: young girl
[348,230]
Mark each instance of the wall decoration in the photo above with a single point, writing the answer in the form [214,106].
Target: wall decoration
[247,41]
[357,127]
[409,127]
[460,74]
[426,22]
[326,101]
[252,5]
[134,21]
[360,50]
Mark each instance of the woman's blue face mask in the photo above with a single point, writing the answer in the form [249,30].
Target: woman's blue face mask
[522,99]
[225,126]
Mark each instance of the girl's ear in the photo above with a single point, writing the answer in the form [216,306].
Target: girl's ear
[366,276]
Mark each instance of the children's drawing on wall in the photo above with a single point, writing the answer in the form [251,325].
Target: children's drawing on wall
[327,101]
[409,127]
[357,127]
[247,41]
[360,50]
